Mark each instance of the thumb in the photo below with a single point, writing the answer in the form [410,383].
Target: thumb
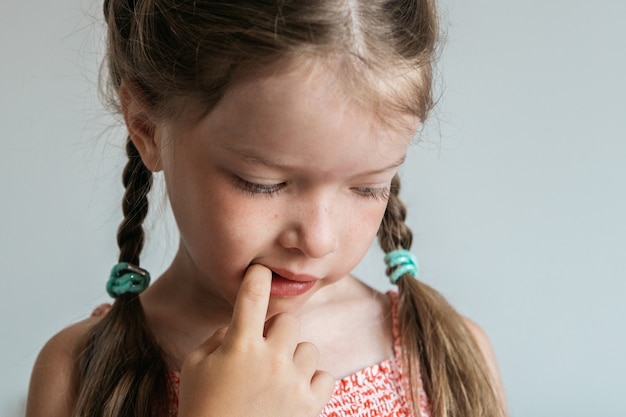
[212,343]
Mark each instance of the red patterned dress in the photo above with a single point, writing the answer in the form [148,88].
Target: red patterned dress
[379,390]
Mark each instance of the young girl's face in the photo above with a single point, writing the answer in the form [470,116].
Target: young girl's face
[285,172]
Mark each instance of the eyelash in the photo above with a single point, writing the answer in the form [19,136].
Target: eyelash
[375,193]
[254,189]
[270,190]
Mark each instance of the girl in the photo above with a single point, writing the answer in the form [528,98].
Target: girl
[279,128]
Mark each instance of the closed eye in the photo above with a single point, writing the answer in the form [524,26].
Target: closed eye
[375,193]
[256,189]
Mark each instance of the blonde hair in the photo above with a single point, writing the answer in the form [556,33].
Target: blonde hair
[182,52]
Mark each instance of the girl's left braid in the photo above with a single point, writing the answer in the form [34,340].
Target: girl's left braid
[394,232]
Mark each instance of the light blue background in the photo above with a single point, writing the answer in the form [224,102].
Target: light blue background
[516,196]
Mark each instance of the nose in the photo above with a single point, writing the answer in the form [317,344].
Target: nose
[311,229]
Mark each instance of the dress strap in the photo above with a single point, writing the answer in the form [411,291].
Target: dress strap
[424,402]
[395,325]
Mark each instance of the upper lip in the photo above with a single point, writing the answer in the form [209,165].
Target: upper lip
[293,276]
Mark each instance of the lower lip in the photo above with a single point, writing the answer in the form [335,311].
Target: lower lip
[283,287]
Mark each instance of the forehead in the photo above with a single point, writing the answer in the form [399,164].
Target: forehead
[304,118]
[319,85]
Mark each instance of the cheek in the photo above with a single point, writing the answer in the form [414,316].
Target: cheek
[242,216]
[234,225]
[368,220]
[364,226]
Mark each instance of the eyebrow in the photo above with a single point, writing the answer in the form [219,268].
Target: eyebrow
[253,157]
[257,159]
[393,165]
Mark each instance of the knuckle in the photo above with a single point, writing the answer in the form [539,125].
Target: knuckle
[328,380]
[220,333]
[288,320]
[237,345]
[310,349]
[241,344]
[279,363]
[322,387]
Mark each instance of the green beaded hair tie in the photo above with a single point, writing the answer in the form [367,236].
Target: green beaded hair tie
[127,278]
[400,262]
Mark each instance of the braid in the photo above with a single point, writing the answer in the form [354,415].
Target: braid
[437,346]
[122,371]
[393,232]
[137,180]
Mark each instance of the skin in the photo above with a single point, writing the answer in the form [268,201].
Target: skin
[279,362]
[328,165]
[285,175]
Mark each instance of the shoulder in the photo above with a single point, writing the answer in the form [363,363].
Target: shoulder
[482,340]
[51,391]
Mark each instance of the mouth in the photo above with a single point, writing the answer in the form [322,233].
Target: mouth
[286,284]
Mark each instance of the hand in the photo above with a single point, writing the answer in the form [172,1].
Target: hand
[239,372]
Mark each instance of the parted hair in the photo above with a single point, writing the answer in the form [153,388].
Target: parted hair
[182,53]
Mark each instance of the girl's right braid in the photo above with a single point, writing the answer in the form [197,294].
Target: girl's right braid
[122,370]
[137,180]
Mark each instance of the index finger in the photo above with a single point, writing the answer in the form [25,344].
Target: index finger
[248,320]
